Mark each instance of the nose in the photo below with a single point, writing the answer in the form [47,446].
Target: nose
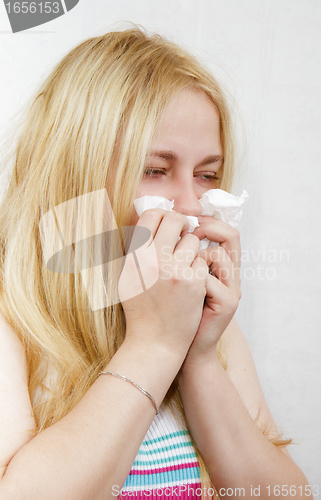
[185,197]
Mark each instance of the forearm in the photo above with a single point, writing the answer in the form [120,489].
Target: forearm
[91,449]
[235,451]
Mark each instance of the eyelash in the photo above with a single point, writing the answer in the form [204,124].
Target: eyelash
[210,177]
[155,172]
[152,171]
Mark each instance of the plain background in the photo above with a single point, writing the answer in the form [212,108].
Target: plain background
[268,54]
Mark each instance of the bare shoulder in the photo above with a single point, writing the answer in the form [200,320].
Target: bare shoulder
[16,418]
[241,370]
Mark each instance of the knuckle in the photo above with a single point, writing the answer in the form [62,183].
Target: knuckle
[218,253]
[193,238]
[235,234]
[202,254]
[176,216]
[213,253]
[154,212]
[201,263]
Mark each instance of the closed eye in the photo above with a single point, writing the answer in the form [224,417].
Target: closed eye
[209,177]
[149,172]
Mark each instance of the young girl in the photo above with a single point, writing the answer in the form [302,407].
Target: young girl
[135,115]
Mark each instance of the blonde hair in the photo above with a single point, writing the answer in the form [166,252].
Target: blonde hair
[89,127]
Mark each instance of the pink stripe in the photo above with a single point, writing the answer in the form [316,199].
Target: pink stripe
[163,469]
[182,492]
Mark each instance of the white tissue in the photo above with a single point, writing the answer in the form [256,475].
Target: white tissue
[215,202]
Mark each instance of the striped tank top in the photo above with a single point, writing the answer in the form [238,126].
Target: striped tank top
[166,465]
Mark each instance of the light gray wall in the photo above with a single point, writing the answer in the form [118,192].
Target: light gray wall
[268,53]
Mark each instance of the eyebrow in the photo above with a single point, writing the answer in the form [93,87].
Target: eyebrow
[171,156]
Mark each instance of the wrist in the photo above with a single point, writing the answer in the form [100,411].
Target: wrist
[153,342]
[200,357]
[197,365]
[151,366]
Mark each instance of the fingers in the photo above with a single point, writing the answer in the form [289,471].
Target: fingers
[218,295]
[222,267]
[165,226]
[223,261]
[228,237]
[186,249]
[222,290]
[200,270]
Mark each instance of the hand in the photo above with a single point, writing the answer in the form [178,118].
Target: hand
[222,290]
[170,310]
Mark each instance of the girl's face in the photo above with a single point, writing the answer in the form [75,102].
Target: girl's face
[185,154]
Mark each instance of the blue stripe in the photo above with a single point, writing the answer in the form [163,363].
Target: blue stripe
[166,436]
[165,460]
[165,448]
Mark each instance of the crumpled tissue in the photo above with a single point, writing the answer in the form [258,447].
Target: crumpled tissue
[215,202]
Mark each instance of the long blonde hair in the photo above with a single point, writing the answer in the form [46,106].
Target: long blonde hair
[89,127]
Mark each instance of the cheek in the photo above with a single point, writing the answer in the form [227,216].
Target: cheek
[154,186]
[145,188]
[140,191]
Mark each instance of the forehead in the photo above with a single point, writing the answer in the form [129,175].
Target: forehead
[190,117]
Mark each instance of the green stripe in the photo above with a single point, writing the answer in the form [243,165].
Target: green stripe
[167,436]
[166,448]
[164,460]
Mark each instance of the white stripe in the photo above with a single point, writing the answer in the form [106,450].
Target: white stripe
[168,441]
[167,464]
[155,455]
[64,6]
